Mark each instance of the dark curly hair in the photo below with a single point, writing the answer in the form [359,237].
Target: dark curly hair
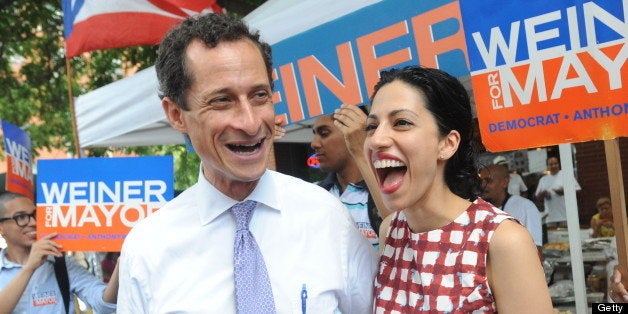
[449,103]
[212,28]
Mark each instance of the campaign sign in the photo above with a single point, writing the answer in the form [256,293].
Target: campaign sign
[17,145]
[92,203]
[339,62]
[548,72]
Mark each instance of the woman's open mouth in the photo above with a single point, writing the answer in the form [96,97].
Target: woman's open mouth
[389,173]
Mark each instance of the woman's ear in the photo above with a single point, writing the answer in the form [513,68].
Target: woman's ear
[448,145]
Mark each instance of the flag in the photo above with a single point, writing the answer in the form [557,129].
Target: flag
[104,24]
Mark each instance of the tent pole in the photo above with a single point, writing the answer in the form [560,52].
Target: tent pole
[573,227]
[68,70]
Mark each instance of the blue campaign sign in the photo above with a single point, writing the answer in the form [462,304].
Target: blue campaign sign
[339,62]
[105,180]
[92,203]
[548,72]
[17,145]
[538,29]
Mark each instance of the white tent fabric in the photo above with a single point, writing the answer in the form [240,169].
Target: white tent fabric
[128,112]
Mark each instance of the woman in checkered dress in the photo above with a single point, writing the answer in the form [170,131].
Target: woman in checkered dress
[442,252]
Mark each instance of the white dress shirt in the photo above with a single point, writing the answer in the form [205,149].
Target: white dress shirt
[180,259]
[527,214]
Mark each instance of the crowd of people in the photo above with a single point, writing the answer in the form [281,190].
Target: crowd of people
[402,182]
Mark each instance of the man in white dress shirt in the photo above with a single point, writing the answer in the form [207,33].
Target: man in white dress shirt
[215,80]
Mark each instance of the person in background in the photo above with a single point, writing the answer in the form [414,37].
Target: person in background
[617,290]
[243,239]
[550,191]
[441,252]
[27,275]
[335,135]
[602,222]
[495,180]
[516,186]
[108,265]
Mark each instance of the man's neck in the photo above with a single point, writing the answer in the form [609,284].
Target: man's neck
[349,174]
[17,255]
[499,202]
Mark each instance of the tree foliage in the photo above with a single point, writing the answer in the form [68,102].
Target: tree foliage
[34,82]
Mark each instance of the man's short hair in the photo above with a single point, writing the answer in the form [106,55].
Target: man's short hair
[6,197]
[212,29]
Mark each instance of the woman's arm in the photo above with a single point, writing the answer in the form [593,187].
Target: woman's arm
[352,122]
[515,272]
[110,295]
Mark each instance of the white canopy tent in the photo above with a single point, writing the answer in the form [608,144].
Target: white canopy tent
[128,112]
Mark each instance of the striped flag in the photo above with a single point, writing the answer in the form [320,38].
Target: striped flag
[104,24]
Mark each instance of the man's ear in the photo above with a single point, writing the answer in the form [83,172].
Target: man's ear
[506,181]
[174,113]
[449,145]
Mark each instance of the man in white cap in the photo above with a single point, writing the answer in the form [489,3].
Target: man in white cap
[516,185]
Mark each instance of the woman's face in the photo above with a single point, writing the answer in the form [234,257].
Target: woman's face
[403,145]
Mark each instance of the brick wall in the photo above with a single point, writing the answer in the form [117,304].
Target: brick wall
[593,175]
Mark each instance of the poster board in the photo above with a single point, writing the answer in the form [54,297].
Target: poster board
[17,145]
[92,203]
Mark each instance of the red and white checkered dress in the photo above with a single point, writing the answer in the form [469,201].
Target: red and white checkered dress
[438,271]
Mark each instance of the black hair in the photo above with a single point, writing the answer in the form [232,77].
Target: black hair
[448,101]
[212,28]
[6,197]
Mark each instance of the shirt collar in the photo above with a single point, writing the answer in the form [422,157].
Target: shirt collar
[215,203]
[332,180]
[5,263]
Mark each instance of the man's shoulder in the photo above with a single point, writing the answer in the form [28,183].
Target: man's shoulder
[304,196]
[289,184]
[520,202]
[166,216]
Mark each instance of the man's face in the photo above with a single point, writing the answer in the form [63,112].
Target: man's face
[494,183]
[15,235]
[329,145]
[230,119]
[553,165]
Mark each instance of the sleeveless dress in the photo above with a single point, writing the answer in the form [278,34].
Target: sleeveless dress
[438,271]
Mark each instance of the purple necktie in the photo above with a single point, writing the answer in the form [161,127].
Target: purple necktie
[252,286]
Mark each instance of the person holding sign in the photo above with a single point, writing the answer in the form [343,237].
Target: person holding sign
[441,252]
[28,283]
[338,141]
[243,239]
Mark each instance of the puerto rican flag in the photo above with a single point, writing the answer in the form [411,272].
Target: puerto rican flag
[104,24]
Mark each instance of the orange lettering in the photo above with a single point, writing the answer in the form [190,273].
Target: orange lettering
[371,64]
[312,70]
